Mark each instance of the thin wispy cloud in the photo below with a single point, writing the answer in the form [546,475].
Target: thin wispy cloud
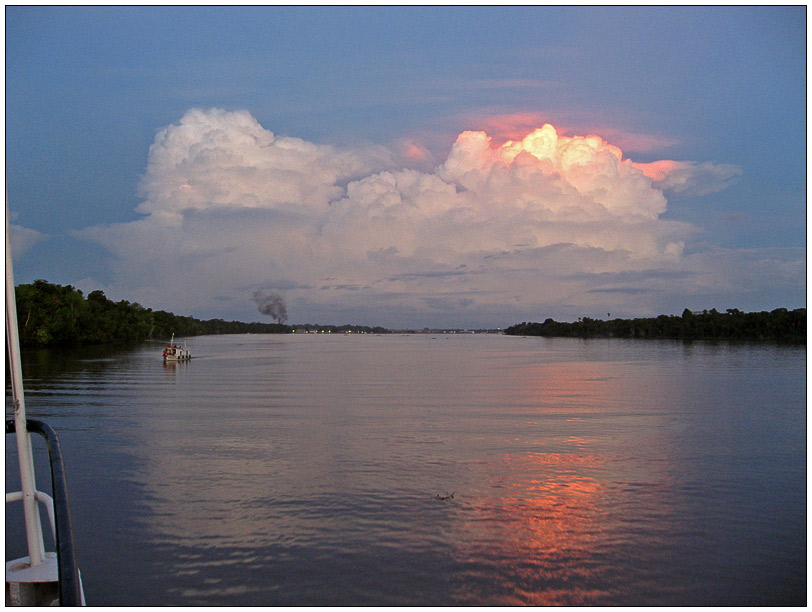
[500,84]
[23,238]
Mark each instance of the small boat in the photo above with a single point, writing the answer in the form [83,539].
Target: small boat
[173,352]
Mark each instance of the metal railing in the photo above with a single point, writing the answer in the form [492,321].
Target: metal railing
[70,589]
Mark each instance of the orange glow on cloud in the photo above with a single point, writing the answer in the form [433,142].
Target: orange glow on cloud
[591,164]
[414,151]
[545,143]
[515,126]
[511,127]
[586,165]
[658,170]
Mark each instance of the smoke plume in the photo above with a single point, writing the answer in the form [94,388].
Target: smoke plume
[271,304]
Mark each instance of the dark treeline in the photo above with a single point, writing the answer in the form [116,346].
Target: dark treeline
[778,325]
[57,315]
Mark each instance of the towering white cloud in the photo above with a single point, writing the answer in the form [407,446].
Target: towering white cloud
[218,159]
[231,208]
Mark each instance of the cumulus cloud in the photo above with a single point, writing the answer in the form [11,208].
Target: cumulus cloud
[494,230]
[219,159]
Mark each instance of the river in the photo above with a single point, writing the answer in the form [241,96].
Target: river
[430,470]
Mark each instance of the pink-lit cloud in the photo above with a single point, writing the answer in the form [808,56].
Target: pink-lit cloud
[689,178]
[515,126]
[410,152]
[533,223]
[510,126]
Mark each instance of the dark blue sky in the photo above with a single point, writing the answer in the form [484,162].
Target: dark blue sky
[88,88]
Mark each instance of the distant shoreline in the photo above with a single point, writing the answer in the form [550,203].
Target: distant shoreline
[56,315]
[779,325]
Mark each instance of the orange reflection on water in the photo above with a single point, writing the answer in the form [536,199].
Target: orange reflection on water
[568,387]
[537,536]
[542,531]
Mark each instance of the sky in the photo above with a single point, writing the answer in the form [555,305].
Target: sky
[466,167]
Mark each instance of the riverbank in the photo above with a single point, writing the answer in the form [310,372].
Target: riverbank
[778,325]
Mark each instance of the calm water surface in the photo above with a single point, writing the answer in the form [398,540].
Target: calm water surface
[318,470]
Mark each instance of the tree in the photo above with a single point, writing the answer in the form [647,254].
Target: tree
[51,314]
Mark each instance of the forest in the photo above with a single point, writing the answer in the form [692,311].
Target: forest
[60,315]
[777,325]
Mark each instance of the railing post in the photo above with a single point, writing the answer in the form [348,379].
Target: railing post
[33,525]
